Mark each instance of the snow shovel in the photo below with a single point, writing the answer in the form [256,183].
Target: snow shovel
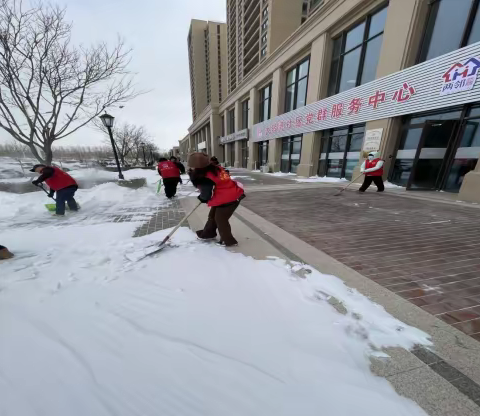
[159,247]
[345,187]
[159,187]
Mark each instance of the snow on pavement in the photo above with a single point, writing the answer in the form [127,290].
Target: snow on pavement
[323,179]
[196,330]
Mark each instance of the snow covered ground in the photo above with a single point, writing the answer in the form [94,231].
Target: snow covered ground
[197,330]
[324,179]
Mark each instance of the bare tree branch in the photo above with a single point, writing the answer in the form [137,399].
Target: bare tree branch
[49,88]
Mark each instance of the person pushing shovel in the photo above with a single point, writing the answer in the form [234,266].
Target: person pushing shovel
[373,170]
[59,182]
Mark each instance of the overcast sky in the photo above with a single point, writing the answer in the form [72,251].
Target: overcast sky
[157,31]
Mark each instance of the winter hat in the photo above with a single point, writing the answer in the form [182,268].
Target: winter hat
[4,253]
[37,166]
[198,160]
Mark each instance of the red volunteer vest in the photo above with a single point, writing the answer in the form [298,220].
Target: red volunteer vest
[59,180]
[168,170]
[226,190]
[371,164]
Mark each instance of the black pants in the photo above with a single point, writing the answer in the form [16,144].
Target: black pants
[170,185]
[66,195]
[218,218]
[368,181]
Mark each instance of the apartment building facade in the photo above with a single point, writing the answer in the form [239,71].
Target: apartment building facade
[398,77]
[207,48]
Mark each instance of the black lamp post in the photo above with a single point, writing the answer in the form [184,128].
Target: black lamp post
[107,121]
[144,158]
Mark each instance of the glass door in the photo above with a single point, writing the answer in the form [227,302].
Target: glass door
[437,142]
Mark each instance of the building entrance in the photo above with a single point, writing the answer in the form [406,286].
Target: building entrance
[437,151]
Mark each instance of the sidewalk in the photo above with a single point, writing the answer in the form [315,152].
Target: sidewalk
[444,381]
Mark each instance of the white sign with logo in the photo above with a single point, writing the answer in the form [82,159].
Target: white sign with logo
[372,141]
[461,76]
[445,81]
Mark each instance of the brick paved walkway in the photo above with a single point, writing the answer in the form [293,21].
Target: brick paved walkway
[165,217]
[424,251]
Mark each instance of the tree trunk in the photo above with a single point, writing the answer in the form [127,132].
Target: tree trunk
[48,154]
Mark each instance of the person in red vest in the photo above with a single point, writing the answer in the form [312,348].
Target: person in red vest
[170,174]
[220,192]
[373,170]
[60,182]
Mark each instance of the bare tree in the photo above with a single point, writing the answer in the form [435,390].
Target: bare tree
[50,88]
[128,140]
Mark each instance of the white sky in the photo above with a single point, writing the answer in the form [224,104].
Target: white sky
[157,31]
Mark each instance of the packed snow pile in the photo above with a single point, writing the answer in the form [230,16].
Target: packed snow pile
[324,179]
[196,330]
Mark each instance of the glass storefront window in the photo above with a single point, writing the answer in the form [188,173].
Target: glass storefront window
[265,103]
[263,153]
[449,27]
[340,151]
[291,150]
[436,151]
[244,154]
[357,62]
[296,89]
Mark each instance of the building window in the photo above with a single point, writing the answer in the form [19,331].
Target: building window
[264,51]
[264,38]
[265,12]
[231,121]
[296,92]
[245,114]
[244,144]
[263,153]
[451,24]
[232,154]
[304,7]
[223,126]
[291,149]
[265,103]
[264,25]
[303,20]
[315,3]
[356,53]
[340,151]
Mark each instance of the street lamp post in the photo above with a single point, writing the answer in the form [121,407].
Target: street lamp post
[107,121]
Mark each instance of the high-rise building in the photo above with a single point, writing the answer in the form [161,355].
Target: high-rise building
[256,28]
[207,55]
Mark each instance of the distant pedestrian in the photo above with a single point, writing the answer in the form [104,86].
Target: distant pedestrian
[170,174]
[373,170]
[4,253]
[59,182]
[179,166]
[221,193]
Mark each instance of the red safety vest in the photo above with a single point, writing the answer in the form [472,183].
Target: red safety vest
[168,170]
[226,190]
[59,180]
[371,164]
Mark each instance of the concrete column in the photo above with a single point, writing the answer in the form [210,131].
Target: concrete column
[274,154]
[238,153]
[278,93]
[215,133]
[470,190]
[310,154]
[318,71]
[225,120]
[403,32]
